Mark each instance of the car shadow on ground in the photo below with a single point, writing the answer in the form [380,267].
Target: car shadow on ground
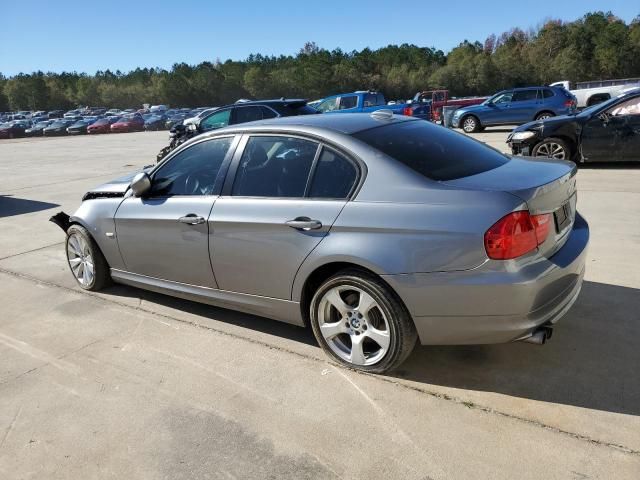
[609,165]
[10,206]
[248,321]
[592,360]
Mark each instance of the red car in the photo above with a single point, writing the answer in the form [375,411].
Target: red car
[129,123]
[440,98]
[103,125]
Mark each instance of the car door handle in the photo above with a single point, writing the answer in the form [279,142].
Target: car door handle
[191,219]
[304,223]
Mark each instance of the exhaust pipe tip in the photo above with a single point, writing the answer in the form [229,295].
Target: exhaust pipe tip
[540,336]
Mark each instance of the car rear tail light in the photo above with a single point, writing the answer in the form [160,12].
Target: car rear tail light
[569,103]
[408,111]
[516,234]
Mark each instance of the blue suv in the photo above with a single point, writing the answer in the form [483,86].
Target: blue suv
[515,107]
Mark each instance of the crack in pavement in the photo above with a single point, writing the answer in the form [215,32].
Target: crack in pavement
[30,251]
[434,394]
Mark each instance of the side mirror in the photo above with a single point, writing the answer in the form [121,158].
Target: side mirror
[604,117]
[140,184]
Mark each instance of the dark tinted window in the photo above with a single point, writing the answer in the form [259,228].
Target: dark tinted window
[547,92]
[193,171]
[247,114]
[334,176]
[273,166]
[370,100]
[524,95]
[348,102]
[435,152]
[268,113]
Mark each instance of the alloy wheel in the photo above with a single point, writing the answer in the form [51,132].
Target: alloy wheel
[551,150]
[354,325]
[469,125]
[80,259]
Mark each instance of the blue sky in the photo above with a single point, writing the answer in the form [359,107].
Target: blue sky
[90,35]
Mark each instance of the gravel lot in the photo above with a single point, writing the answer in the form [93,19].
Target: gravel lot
[130,384]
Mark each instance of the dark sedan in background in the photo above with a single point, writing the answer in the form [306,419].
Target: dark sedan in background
[36,129]
[13,129]
[58,127]
[608,131]
[154,122]
[80,127]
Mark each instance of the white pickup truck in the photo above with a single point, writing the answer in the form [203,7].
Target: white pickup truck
[596,91]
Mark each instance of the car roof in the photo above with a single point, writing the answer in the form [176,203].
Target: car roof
[347,123]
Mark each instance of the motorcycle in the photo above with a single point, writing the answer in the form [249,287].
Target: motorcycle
[178,135]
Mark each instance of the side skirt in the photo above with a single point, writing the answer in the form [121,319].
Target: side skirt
[274,308]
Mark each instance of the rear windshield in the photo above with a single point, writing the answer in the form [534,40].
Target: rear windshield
[433,151]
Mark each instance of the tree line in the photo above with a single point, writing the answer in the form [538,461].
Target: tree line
[596,46]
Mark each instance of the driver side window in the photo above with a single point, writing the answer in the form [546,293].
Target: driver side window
[194,171]
[630,107]
[503,98]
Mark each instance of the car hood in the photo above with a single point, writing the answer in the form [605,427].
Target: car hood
[116,187]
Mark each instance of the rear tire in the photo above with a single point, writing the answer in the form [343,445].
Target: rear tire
[470,124]
[544,115]
[361,323]
[552,147]
[85,260]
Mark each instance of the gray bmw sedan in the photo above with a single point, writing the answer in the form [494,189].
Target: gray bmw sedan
[376,230]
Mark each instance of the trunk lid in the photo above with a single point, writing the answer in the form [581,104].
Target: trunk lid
[546,186]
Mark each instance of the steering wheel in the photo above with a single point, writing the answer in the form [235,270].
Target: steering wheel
[199,183]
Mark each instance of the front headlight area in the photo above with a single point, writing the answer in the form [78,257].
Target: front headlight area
[523,135]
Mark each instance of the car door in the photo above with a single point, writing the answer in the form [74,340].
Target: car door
[613,134]
[348,103]
[524,105]
[164,234]
[276,211]
[497,111]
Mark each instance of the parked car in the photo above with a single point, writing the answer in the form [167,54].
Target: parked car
[73,113]
[597,91]
[199,115]
[438,99]
[58,127]
[608,131]
[239,112]
[113,112]
[55,114]
[337,221]
[514,107]
[36,129]
[80,126]
[102,125]
[132,122]
[368,101]
[13,129]
[155,121]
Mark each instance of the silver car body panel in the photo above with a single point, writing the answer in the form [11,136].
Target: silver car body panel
[423,237]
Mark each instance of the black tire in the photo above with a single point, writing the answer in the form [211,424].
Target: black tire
[402,332]
[543,115]
[102,275]
[547,146]
[470,124]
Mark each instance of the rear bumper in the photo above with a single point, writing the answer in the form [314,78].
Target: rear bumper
[494,304]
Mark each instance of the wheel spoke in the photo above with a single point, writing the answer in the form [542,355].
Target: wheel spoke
[330,330]
[365,303]
[333,297]
[381,337]
[74,262]
[75,246]
[80,272]
[87,275]
[357,352]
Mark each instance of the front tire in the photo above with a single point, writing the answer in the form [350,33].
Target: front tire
[470,124]
[86,262]
[361,323]
[552,148]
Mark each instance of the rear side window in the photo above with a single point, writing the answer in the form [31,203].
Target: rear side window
[348,102]
[334,176]
[433,151]
[247,114]
[547,93]
[268,113]
[370,100]
[524,95]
